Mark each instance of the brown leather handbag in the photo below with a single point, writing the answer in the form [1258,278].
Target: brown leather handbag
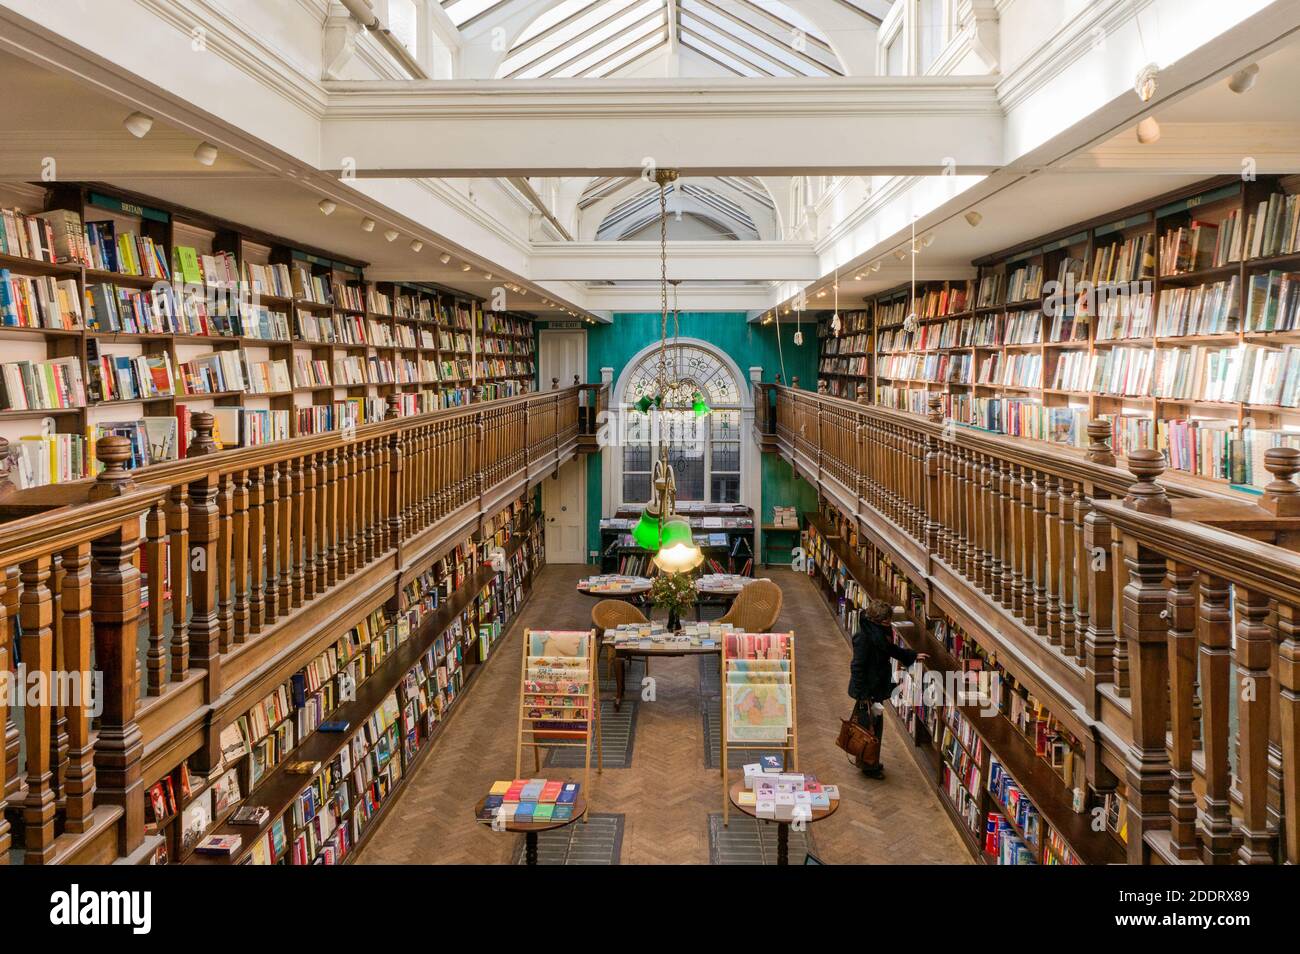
[861,743]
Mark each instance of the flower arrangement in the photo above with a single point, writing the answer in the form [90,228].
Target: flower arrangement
[674,592]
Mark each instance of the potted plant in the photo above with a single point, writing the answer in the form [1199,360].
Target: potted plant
[674,592]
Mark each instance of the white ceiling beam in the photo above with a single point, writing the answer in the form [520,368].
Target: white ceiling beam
[830,125]
[689,261]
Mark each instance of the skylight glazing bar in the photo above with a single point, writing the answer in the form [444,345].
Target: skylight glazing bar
[597,45]
[559,48]
[785,45]
[754,60]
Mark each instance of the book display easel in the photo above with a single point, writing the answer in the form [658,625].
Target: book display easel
[758,700]
[559,697]
[123,315]
[1177,318]
[1010,775]
[725,532]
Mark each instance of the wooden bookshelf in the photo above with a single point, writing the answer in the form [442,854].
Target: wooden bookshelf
[393,340]
[846,579]
[990,348]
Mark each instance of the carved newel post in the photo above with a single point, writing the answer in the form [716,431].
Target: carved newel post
[936,409]
[822,388]
[204,423]
[555,384]
[7,486]
[394,407]
[1146,496]
[862,394]
[1282,496]
[114,480]
[1099,451]
[794,382]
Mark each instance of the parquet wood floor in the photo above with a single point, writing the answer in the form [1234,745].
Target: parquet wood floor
[667,793]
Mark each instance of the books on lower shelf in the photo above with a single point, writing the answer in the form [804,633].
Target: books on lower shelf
[40,301]
[42,385]
[116,377]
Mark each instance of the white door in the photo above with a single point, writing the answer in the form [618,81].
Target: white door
[562,354]
[564,504]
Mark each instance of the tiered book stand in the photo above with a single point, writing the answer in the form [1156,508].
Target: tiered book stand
[758,700]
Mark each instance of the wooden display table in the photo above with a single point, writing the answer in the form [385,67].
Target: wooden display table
[637,587]
[782,825]
[531,829]
[668,650]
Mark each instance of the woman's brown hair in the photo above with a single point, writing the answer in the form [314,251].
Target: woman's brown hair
[878,611]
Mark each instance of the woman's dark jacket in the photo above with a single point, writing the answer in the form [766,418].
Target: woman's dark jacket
[870,676]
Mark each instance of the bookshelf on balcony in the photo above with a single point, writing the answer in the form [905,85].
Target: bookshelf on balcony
[123,314]
[1189,340]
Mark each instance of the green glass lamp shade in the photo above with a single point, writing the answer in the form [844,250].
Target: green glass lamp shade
[677,550]
[644,404]
[659,400]
[646,531]
[700,406]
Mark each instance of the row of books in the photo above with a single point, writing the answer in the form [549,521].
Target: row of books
[42,385]
[39,302]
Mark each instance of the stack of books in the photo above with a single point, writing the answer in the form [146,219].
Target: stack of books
[530,801]
[771,792]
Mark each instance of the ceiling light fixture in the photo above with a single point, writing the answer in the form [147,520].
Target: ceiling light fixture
[1148,131]
[444,258]
[973,218]
[327,206]
[875,266]
[416,245]
[391,235]
[1243,81]
[487,276]
[138,124]
[205,153]
[367,224]
[466,267]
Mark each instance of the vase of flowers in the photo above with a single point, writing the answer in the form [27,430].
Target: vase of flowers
[674,592]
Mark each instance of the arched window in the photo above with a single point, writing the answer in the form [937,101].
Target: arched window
[705,452]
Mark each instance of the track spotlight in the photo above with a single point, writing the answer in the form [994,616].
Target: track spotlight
[138,124]
[466,267]
[1148,131]
[875,266]
[973,218]
[444,258]
[900,254]
[487,276]
[927,241]
[367,224]
[416,245]
[1243,80]
[391,235]
[205,153]
[327,206]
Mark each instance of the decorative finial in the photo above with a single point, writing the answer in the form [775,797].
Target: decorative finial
[862,394]
[822,388]
[1146,496]
[1099,434]
[1282,497]
[555,384]
[7,486]
[794,382]
[113,451]
[936,409]
[204,423]
[394,406]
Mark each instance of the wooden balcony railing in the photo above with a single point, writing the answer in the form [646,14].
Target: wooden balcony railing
[1112,594]
[197,585]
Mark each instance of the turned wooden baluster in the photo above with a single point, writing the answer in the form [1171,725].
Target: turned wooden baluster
[178,541]
[363,541]
[224,556]
[992,531]
[1181,612]
[1000,588]
[155,529]
[1049,622]
[1214,632]
[35,612]
[298,535]
[1288,677]
[201,560]
[1018,529]
[58,718]
[288,502]
[13,736]
[1253,653]
[396,492]
[310,551]
[255,551]
[1036,597]
[75,633]
[370,499]
[975,527]
[5,628]
[1145,632]
[270,552]
[239,556]
[1070,569]
[334,516]
[320,546]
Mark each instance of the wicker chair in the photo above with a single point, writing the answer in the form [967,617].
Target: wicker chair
[610,613]
[756,607]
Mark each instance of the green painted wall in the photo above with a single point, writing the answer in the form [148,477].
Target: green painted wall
[748,345]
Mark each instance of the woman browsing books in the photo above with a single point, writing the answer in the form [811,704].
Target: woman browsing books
[871,679]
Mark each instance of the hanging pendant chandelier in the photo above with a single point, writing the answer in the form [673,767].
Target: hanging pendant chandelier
[660,528]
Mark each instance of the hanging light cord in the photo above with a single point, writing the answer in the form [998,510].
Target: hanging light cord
[663,287]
